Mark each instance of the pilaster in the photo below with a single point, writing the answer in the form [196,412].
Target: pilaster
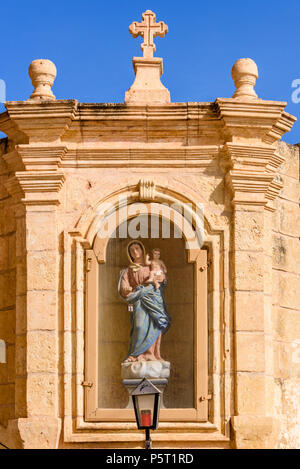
[251,163]
[36,194]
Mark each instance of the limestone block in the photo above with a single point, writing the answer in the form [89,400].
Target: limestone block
[250,393]
[41,270]
[290,190]
[41,394]
[146,369]
[253,432]
[41,307]
[290,438]
[286,323]
[248,230]
[249,271]
[268,275]
[35,433]
[41,352]
[287,291]
[249,311]
[289,218]
[290,166]
[41,231]
[286,253]
[287,360]
[250,351]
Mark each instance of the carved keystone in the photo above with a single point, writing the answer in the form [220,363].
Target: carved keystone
[147,190]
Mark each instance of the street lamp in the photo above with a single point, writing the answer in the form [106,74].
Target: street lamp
[146,402]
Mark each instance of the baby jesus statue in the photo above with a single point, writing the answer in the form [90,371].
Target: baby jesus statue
[157,268]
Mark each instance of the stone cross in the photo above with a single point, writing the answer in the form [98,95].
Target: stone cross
[148,29]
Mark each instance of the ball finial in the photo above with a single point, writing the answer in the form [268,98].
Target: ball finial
[42,73]
[244,73]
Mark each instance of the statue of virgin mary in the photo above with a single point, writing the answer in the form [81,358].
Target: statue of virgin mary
[149,316]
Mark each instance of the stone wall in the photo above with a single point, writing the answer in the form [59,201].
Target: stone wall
[7,294]
[57,184]
[286,299]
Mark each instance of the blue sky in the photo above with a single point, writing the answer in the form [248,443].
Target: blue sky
[90,44]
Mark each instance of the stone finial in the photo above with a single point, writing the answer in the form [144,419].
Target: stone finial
[244,73]
[42,73]
[148,29]
[147,87]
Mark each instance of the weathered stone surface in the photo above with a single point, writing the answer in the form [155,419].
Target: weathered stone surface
[286,324]
[41,307]
[249,308]
[41,270]
[289,219]
[286,289]
[250,393]
[35,433]
[41,394]
[42,352]
[249,271]
[250,351]
[253,432]
[286,253]
[248,230]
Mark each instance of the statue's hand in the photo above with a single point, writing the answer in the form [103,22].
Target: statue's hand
[128,292]
[160,278]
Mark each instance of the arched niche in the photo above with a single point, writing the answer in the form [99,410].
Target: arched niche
[184,345]
[114,324]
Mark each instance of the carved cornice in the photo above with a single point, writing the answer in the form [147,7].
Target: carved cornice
[139,156]
[184,124]
[258,119]
[35,157]
[34,188]
[40,121]
[251,176]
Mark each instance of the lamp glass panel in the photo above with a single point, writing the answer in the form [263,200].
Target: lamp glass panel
[146,409]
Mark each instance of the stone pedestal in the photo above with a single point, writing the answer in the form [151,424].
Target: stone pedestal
[147,87]
[157,371]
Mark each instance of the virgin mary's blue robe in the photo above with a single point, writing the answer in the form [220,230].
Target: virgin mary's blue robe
[149,317]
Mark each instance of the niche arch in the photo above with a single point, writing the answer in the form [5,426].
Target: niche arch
[99,361]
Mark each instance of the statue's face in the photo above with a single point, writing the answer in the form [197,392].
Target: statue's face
[136,252]
[156,255]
